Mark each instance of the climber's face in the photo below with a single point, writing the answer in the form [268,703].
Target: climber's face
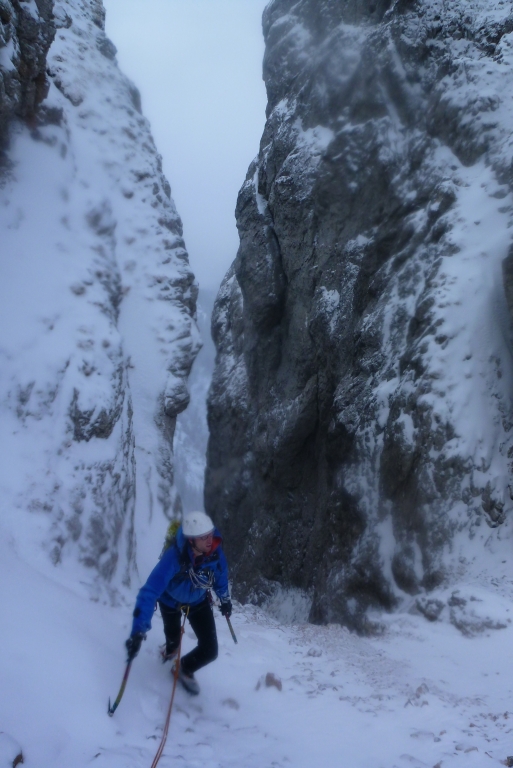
[203,544]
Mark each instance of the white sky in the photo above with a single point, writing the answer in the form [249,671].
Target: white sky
[198,65]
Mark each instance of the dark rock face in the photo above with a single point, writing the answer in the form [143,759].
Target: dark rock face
[352,353]
[26,33]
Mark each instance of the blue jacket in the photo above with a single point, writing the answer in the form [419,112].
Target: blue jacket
[181,579]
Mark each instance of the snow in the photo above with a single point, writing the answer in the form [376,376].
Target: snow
[7,54]
[191,436]
[469,353]
[329,301]
[31,7]
[418,694]
[316,140]
[260,199]
[94,322]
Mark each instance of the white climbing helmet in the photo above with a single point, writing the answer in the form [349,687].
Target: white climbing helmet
[197,524]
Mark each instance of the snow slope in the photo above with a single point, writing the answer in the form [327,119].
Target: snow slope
[421,694]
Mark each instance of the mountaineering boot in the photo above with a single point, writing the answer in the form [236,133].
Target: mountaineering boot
[189,682]
[164,655]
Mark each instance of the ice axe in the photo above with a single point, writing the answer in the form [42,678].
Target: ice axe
[231,629]
[113,708]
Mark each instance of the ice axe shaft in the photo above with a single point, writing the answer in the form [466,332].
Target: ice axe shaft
[231,629]
[113,708]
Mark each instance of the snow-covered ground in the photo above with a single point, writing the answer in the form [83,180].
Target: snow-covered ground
[419,694]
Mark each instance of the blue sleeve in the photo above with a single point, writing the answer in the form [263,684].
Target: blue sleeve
[221,578]
[156,585]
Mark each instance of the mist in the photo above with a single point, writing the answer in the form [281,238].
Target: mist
[198,66]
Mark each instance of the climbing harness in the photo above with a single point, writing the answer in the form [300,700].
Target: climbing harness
[176,672]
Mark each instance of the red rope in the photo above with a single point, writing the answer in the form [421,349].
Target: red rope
[175,680]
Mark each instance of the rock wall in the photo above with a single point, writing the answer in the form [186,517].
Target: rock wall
[26,32]
[97,317]
[360,412]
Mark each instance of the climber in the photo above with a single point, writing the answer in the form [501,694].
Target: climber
[189,567]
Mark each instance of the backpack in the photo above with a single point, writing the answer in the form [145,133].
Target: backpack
[170,539]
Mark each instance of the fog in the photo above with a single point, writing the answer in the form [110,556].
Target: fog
[198,64]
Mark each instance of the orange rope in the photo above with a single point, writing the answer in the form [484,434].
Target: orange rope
[175,680]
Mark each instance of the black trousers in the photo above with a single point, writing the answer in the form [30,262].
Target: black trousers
[201,619]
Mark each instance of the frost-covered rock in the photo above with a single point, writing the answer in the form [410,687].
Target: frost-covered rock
[472,610]
[97,304]
[26,32]
[360,412]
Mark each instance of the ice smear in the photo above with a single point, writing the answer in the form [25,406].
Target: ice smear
[191,436]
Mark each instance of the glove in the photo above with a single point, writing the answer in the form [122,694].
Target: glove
[226,608]
[133,645]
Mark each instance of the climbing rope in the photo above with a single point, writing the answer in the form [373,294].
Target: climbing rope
[176,672]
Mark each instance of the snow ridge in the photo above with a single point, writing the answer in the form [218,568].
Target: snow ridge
[97,315]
